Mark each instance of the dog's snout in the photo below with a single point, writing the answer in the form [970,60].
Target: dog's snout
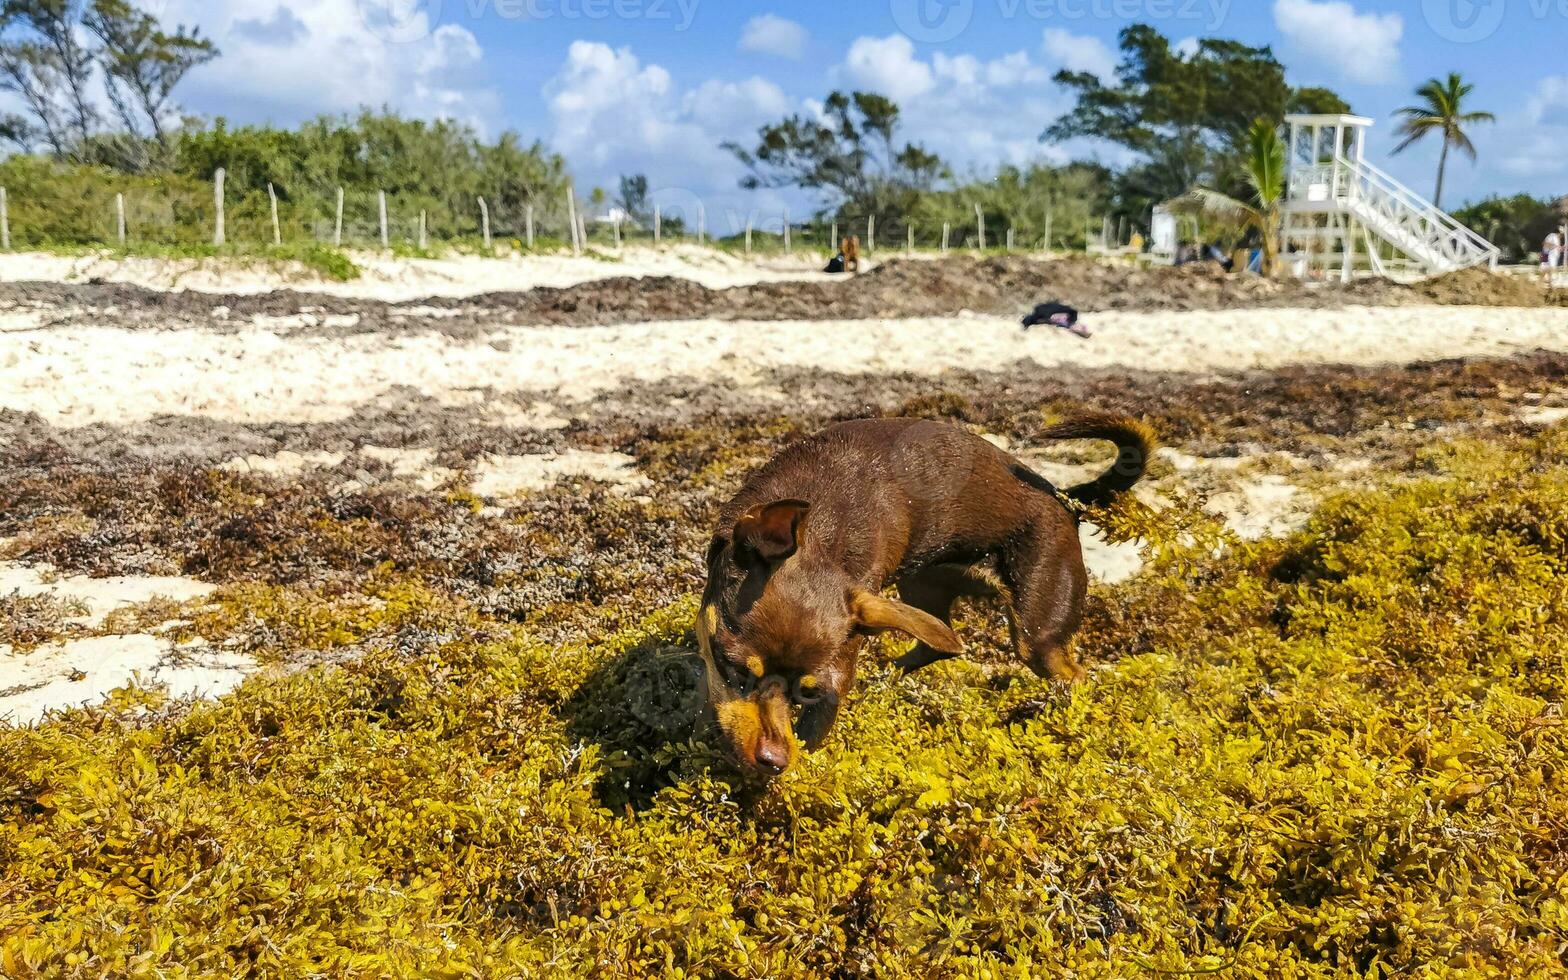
[772,759]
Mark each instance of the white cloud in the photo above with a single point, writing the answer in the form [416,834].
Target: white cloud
[1186,47]
[775,35]
[1080,52]
[1531,144]
[888,65]
[612,115]
[730,106]
[1549,105]
[976,114]
[283,63]
[1363,47]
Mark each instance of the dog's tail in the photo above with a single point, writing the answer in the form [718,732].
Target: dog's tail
[1135,445]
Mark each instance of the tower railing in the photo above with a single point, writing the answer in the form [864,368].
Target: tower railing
[1392,211]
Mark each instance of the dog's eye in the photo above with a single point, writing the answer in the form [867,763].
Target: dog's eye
[734,676]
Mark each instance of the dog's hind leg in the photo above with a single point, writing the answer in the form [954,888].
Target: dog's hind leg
[934,590]
[1044,569]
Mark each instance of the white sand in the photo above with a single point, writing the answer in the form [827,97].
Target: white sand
[1543,415]
[507,477]
[397,279]
[86,670]
[80,672]
[495,476]
[100,596]
[79,375]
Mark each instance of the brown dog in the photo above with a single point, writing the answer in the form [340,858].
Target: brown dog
[797,567]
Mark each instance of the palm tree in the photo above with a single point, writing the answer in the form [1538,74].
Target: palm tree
[1442,111]
[1263,164]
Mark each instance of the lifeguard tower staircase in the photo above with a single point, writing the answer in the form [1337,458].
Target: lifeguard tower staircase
[1344,217]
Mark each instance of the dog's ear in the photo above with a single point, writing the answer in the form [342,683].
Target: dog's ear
[876,613]
[771,531]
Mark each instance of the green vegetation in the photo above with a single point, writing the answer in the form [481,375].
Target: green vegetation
[1518,224]
[1184,115]
[852,155]
[1263,217]
[440,168]
[54,54]
[1336,754]
[1442,111]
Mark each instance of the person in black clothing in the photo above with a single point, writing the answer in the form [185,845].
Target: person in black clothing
[1058,315]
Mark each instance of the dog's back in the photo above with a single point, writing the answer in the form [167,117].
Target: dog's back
[895,493]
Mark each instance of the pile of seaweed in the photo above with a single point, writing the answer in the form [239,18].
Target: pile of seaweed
[1338,753]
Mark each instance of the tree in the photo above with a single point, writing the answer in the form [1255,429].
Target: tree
[1516,224]
[633,198]
[67,63]
[48,60]
[1442,111]
[851,155]
[1032,201]
[143,64]
[26,69]
[1183,115]
[1264,155]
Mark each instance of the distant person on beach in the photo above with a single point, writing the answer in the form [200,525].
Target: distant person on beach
[1058,315]
[848,257]
[1551,256]
[1213,253]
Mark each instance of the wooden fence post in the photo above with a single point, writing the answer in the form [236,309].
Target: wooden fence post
[871,234]
[1048,217]
[5,220]
[833,242]
[658,222]
[748,234]
[980,224]
[1009,238]
[528,225]
[616,221]
[381,201]
[219,234]
[946,228]
[337,227]
[277,230]
[484,221]
[909,243]
[571,217]
[119,215]
[424,239]
[787,249]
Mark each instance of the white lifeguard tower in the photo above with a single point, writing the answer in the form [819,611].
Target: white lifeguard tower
[1345,217]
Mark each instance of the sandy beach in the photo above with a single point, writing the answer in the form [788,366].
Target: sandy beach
[392,279]
[82,375]
[433,377]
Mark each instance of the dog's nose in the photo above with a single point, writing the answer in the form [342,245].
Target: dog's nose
[772,759]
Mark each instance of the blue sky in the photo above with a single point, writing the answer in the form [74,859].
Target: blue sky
[627,86]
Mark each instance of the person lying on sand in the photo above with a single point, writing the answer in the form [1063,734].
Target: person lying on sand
[1057,315]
